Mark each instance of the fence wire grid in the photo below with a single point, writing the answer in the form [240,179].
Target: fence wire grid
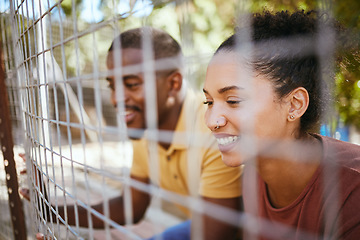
[75,143]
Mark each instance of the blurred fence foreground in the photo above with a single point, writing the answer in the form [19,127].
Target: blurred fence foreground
[62,120]
[56,110]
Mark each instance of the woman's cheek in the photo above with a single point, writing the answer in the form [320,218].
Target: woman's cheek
[245,118]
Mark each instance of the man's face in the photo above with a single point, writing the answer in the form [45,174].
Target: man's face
[134,88]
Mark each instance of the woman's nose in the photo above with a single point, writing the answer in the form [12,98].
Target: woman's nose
[216,123]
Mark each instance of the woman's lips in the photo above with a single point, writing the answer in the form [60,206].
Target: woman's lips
[226,142]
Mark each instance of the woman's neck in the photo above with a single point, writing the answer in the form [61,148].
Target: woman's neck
[287,174]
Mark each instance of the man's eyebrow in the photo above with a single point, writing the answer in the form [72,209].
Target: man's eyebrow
[124,78]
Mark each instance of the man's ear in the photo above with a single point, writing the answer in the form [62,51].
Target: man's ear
[175,81]
[299,102]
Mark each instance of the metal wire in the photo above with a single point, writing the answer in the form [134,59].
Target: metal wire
[76,148]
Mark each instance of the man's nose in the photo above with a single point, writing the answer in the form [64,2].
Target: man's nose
[113,99]
[118,97]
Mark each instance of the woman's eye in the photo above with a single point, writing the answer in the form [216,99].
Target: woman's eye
[233,102]
[207,103]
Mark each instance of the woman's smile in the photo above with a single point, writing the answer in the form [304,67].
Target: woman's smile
[226,142]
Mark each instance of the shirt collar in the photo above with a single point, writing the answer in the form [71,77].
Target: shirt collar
[181,136]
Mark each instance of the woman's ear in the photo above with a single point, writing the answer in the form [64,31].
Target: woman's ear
[299,102]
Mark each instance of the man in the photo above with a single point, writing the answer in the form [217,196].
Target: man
[182,134]
[179,113]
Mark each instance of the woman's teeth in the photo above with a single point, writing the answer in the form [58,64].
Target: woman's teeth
[226,140]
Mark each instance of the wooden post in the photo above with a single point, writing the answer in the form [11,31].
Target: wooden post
[7,145]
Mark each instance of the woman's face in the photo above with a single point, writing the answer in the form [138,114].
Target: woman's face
[244,106]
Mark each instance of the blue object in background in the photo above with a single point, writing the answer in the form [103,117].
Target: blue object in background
[341,132]
[178,232]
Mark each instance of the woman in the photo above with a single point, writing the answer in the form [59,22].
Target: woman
[263,104]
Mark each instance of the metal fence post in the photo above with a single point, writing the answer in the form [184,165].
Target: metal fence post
[7,145]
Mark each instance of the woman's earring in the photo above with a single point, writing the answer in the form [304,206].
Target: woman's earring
[292,117]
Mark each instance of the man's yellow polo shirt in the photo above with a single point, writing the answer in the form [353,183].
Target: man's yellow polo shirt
[194,144]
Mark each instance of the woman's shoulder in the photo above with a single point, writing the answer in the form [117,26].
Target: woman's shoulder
[343,154]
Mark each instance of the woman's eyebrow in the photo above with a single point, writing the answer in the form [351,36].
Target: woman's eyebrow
[225,89]
[228,88]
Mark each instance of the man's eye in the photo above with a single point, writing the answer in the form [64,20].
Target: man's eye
[132,85]
[208,103]
[111,86]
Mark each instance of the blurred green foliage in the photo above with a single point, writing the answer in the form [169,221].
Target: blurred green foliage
[67,6]
[200,26]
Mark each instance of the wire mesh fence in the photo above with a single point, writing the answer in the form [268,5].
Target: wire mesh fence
[71,120]
[63,119]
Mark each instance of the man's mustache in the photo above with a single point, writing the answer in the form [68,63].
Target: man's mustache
[129,107]
[132,107]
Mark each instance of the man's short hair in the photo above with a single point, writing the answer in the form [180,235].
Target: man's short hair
[163,45]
